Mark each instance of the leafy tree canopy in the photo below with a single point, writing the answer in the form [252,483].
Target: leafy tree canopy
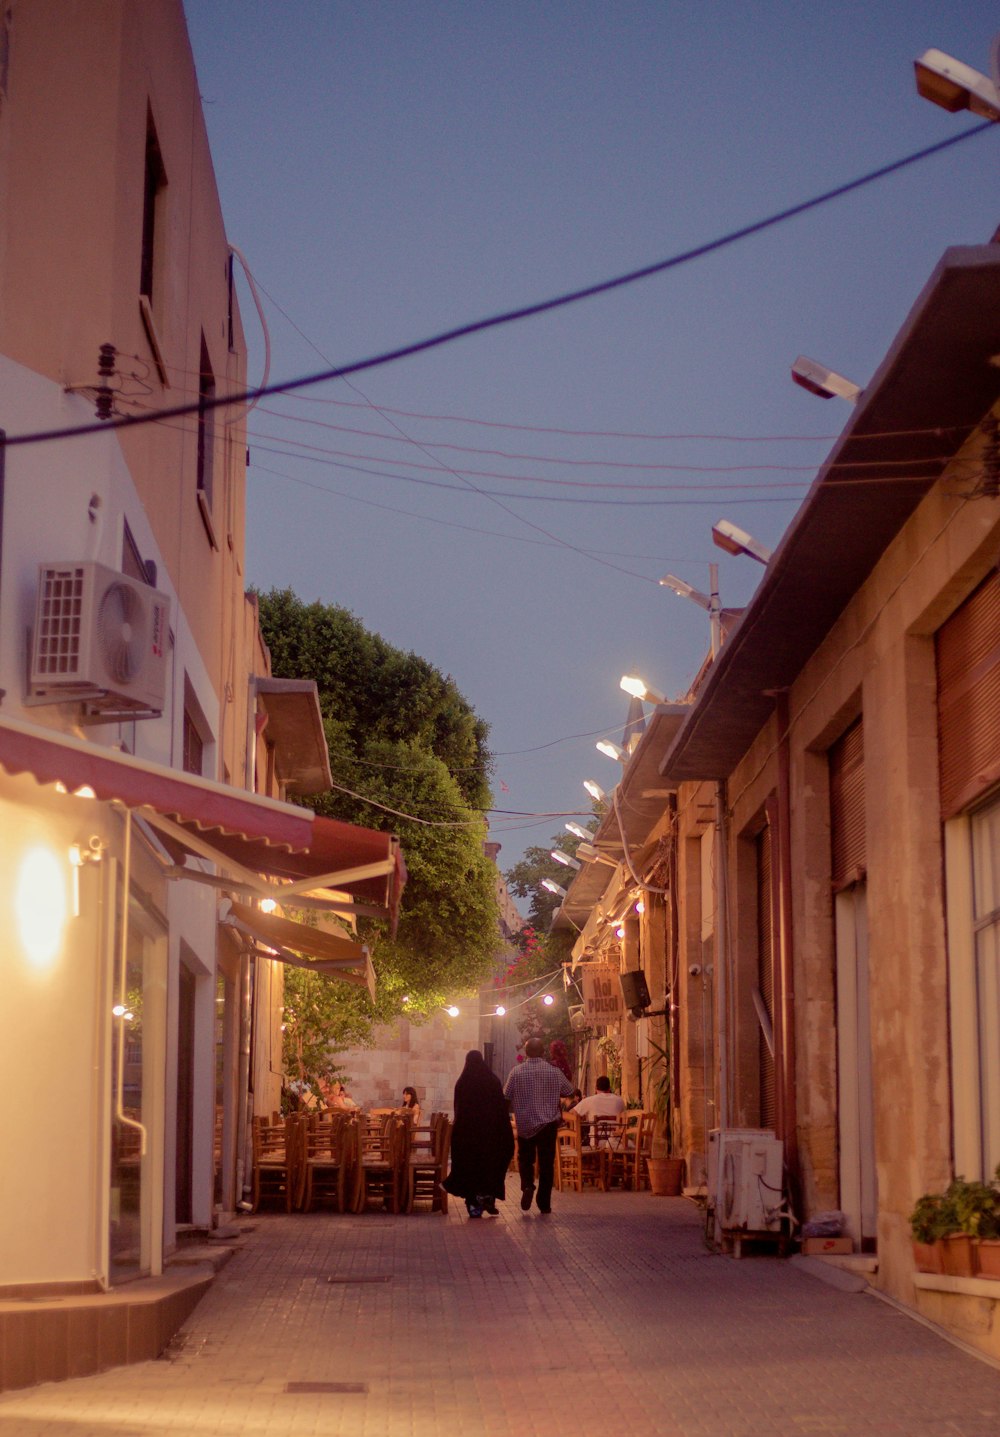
[400,736]
[525,878]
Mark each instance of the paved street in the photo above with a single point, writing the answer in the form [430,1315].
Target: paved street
[609,1316]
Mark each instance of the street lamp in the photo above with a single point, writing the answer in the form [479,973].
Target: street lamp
[554,887]
[945,81]
[595,790]
[709,602]
[564,858]
[635,686]
[737,541]
[578,831]
[808,374]
[590,854]
[611,749]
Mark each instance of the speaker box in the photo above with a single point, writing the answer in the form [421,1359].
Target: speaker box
[634,989]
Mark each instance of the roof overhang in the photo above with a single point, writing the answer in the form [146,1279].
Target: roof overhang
[295,727]
[258,842]
[638,805]
[301,945]
[934,387]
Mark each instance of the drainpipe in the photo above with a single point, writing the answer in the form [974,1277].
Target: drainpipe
[722,952]
[789,1106]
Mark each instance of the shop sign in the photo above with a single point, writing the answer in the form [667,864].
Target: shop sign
[602,995]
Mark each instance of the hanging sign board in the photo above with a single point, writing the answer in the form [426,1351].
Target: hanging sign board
[602,995]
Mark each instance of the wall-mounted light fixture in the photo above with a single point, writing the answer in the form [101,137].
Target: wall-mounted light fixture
[709,602]
[578,831]
[637,687]
[553,887]
[737,541]
[827,383]
[563,858]
[590,854]
[595,790]
[611,749]
[954,86]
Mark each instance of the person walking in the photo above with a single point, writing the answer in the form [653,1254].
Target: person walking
[534,1088]
[482,1141]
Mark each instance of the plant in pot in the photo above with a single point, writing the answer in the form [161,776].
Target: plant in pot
[988,1248]
[931,1220]
[666,1172]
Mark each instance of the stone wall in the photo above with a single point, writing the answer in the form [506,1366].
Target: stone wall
[428,1057]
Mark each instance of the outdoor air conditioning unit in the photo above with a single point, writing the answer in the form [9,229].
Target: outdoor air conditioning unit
[745,1179]
[100,638]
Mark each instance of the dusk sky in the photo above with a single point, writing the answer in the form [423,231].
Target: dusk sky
[505,505]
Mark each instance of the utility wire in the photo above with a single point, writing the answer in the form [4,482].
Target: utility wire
[530,311]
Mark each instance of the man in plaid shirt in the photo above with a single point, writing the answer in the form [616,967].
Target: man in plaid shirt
[534,1088]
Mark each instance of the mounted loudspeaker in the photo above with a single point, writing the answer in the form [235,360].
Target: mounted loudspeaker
[635,991]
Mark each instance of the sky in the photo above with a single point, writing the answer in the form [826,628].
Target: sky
[505,505]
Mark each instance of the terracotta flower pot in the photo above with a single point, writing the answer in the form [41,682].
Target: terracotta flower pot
[666,1176]
[929,1256]
[958,1255]
[988,1257]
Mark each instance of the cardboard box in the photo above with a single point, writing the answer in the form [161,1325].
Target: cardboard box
[815,1245]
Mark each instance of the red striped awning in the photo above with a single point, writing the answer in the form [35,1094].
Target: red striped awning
[212,821]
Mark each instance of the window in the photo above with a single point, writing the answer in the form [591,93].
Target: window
[152,205]
[194,745]
[206,439]
[984,831]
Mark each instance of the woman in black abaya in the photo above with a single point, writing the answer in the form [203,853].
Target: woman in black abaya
[482,1140]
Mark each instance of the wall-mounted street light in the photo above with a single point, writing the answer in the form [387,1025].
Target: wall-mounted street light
[611,749]
[590,854]
[827,383]
[578,831]
[564,858]
[595,790]
[638,688]
[554,887]
[709,602]
[737,541]
[954,86]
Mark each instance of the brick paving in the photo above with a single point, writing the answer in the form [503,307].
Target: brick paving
[609,1316]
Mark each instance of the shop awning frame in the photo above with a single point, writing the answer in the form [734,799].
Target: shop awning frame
[272,848]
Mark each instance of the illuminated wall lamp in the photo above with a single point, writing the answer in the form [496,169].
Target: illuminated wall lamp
[611,750]
[563,858]
[578,831]
[638,688]
[595,790]
[553,887]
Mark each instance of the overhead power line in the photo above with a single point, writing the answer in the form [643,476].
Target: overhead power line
[530,311]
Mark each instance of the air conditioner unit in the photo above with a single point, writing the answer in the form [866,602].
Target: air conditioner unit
[745,1170]
[100,638]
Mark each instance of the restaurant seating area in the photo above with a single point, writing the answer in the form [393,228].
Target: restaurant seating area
[350,1162]
[608,1153]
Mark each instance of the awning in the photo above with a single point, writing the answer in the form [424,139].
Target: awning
[255,840]
[294,723]
[302,946]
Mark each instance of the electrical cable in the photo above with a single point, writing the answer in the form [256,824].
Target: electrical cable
[529,311]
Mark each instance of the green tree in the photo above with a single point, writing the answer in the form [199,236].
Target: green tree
[403,741]
[525,877]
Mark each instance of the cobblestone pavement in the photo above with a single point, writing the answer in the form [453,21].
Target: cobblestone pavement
[610,1316]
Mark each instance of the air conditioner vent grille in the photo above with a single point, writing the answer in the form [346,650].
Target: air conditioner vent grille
[61,621]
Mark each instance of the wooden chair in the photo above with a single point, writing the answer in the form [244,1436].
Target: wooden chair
[428,1164]
[328,1157]
[569,1164]
[273,1162]
[621,1148]
[593,1158]
[638,1176]
[383,1167]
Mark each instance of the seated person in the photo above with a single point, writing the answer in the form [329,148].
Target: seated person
[409,1107]
[568,1104]
[337,1097]
[601,1104]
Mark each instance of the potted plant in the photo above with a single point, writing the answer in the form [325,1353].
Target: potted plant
[929,1222]
[666,1172]
[988,1248]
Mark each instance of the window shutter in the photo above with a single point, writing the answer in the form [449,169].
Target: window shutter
[765,977]
[847,806]
[968,674]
